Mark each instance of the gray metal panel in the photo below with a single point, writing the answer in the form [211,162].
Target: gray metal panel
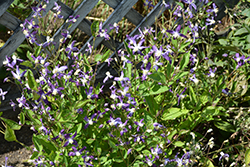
[9,21]
[18,37]
[120,11]
[4,5]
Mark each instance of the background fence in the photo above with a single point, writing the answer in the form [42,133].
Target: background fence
[122,8]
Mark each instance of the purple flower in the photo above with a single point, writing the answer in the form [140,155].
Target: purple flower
[103,33]
[194,79]
[214,10]
[212,72]
[6,159]
[149,160]
[53,90]
[66,35]
[210,21]
[89,121]
[71,49]
[226,91]
[76,152]
[122,79]
[139,124]
[136,48]
[114,26]
[73,19]
[181,96]
[107,77]
[114,122]
[57,9]
[18,75]
[3,93]
[70,140]
[156,151]
[145,72]
[191,4]
[58,70]
[223,155]
[38,11]
[122,126]
[176,33]
[90,94]
[22,102]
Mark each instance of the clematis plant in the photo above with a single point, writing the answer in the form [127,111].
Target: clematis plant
[160,94]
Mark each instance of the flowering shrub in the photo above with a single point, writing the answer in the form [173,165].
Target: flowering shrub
[168,91]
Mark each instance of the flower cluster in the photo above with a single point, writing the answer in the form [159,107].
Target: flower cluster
[158,92]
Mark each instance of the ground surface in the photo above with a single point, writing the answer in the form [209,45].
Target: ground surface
[15,152]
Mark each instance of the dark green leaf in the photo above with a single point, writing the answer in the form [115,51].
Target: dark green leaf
[180,75]
[224,125]
[184,61]
[31,80]
[94,28]
[158,77]
[152,104]
[27,63]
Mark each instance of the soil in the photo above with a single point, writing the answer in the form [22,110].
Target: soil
[16,153]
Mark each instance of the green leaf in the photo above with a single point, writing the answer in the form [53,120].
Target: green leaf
[173,113]
[157,90]
[179,143]
[37,51]
[9,134]
[128,49]
[22,118]
[98,57]
[247,157]
[169,70]
[81,103]
[241,31]
[12,124]
[246,12]
[106,55]
[153,106]
[191,122]
[27,63]
[223,42]
[103,159]
[117,160]
[45,144]
[224,125]
[158,77]
[180,75]
[94,28]
[192,95]
[31,80]
[184,61]
[90,141]
[1,113]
